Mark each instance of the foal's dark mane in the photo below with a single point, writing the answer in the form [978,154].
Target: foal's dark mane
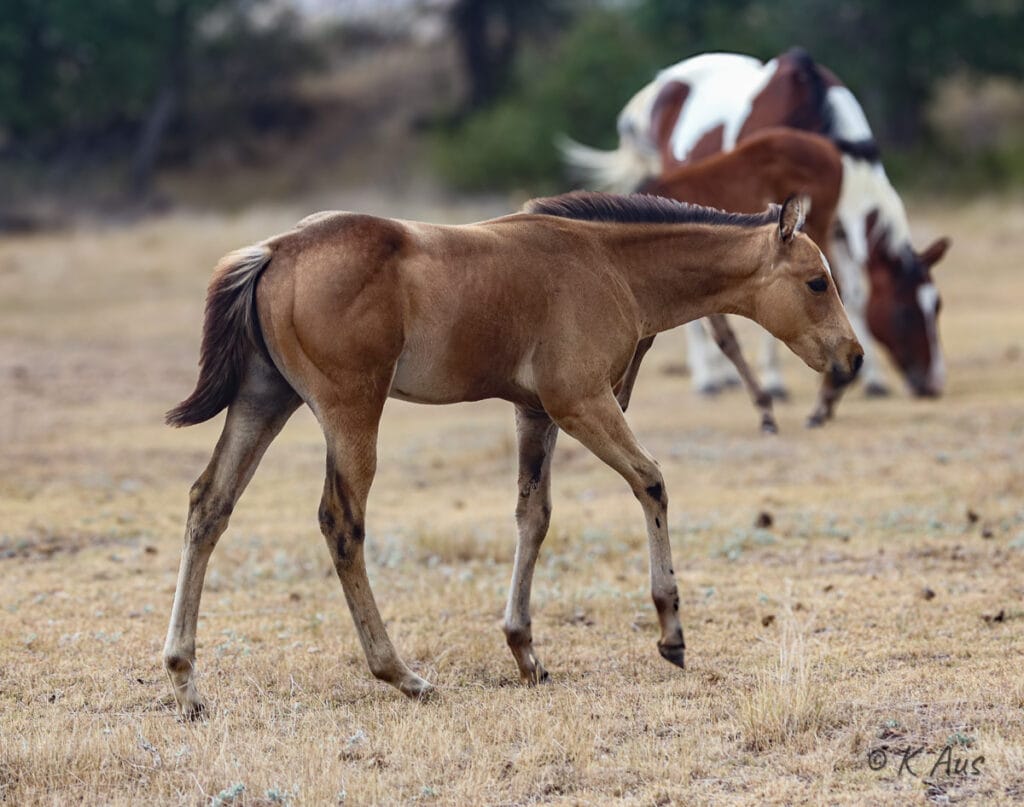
[641,208]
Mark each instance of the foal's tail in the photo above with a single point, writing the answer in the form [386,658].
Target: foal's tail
[230,333]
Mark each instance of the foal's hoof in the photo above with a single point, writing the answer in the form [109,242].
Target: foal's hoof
[876,390]
[416,688]
[538,675]
[709,390]
[192,711]
[778,393]
[816,421]
[674,653]
[768,425]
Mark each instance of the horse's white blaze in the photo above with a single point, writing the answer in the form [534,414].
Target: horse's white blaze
[848,119]
[928,299]
[825,263]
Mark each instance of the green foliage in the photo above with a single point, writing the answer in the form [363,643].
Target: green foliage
[599,63]
[78,66]
[71,69]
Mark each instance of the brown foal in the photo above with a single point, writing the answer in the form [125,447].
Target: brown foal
[545,309]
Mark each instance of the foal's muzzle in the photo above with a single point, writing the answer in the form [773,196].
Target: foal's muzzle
[841,374]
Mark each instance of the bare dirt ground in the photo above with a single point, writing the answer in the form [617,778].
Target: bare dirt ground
[880,611]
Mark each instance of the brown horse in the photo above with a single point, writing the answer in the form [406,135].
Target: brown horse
[769,166]
[712,102]
[544,309]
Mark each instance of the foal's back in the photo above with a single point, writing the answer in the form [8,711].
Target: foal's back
[458,310]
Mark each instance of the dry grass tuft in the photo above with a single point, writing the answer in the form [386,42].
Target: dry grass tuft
[790,704]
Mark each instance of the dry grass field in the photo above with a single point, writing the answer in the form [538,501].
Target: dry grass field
[882,609]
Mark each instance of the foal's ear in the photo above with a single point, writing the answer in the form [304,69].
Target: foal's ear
[791,217]
[934,253]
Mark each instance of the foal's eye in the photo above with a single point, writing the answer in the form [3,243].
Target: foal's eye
[818,285]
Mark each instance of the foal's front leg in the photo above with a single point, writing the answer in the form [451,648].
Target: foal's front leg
[599,424]
[536,434]
[725,337]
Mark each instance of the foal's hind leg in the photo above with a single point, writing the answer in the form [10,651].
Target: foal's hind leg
[599,424]
[727,343]
[536,433]
[263,405]
[351,432]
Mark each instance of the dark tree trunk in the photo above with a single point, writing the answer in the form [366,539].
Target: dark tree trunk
[167,104]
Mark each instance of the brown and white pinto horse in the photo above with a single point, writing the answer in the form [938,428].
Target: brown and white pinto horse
[545,309]
[711,102]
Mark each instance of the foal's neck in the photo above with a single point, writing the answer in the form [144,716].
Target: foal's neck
[682,272]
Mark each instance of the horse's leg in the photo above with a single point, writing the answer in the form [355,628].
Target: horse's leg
[772,368]
[263,405]
[350,428]
[598,423]
[723,372]
[536,434]
[625,392]
[828,396]
[854,285]
[698,356]
[727,343]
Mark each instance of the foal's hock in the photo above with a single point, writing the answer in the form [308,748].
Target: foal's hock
[546,309]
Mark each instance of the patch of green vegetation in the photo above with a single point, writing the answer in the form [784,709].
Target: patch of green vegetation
[577,91]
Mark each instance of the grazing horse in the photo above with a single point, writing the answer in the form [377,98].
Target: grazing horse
[544,309]
[769,166]
[709,103]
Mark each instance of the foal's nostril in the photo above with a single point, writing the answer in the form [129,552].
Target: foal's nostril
[856,362]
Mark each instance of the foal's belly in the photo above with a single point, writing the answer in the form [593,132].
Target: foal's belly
[445,377]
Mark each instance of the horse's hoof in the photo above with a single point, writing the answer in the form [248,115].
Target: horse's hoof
[876,390]
[538,675]
[416,688]
[778,393]
[673,653]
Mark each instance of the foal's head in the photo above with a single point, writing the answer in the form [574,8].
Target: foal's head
[798,303]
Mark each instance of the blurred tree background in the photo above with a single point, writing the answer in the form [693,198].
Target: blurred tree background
[897,57]
[128,89]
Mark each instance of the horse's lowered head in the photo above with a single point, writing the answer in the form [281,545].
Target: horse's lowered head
[903,310]
[797,300]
